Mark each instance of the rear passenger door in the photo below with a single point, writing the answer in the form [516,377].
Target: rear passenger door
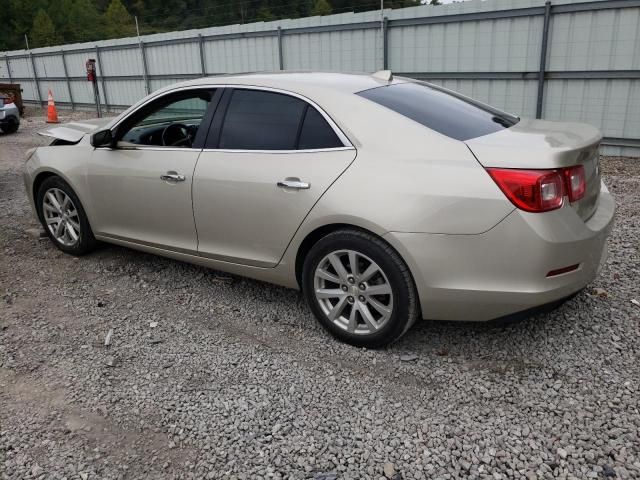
[269,157]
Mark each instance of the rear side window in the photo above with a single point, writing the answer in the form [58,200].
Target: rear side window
[260,120]
[440,110]
[316,132]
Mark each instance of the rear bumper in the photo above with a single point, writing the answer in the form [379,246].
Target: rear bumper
[504,271]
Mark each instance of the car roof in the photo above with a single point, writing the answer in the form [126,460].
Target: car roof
[299,82]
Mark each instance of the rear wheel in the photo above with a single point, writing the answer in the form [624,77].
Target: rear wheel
[63,217]
[359,288]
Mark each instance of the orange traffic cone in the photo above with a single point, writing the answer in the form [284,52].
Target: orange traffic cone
[52,114]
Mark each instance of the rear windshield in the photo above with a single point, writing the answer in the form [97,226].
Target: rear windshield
[441,110]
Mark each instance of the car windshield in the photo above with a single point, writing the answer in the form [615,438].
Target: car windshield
[446,112]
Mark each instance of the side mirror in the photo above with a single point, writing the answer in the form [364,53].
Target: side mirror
[103,138]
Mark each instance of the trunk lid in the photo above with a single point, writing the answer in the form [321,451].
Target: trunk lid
[540,144]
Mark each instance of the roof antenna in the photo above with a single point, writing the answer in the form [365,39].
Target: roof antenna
[385,75]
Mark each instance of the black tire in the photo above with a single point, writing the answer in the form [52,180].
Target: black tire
[405,299]
[86,241]
[11,126]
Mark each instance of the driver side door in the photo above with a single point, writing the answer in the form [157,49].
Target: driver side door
[141,189]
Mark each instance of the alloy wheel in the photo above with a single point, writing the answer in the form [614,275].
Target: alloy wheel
[61,217]
[353,292]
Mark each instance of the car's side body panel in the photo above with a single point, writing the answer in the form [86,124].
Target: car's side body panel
[67,161]
[130,201]
[504,270]
[243,216]
[411,179]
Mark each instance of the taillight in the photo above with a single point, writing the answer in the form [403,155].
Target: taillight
[531,190]
[575,182]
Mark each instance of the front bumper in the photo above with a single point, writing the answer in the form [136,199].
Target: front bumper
[503,271]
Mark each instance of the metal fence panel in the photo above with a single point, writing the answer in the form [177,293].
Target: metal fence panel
[82,92]
[491,50]
[352,50]
[167,59]
[58,89]
[49,66]
[76,63]
[28,89]
[119,62]
[614,103]
[602,40]
[241,55]
[21,68]
[123,92]
[505,45]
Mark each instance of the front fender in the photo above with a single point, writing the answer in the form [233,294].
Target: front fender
[69,162]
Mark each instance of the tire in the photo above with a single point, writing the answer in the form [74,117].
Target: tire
[11,126]
[387,317]
[84,242]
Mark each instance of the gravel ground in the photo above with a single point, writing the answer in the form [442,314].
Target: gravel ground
[211,376]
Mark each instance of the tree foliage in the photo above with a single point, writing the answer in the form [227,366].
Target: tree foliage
[52,22]
[43,31]
[118,22]
[321,7]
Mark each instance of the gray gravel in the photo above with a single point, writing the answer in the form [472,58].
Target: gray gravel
[126,365]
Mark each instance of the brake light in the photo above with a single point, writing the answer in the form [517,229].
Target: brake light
[575,182]
[531,190]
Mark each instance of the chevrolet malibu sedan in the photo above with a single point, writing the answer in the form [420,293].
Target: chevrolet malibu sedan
[383,199]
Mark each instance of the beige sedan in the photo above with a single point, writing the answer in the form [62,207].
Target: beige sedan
[385,200]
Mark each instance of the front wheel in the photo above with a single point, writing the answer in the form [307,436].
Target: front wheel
[359,288]
[63,217]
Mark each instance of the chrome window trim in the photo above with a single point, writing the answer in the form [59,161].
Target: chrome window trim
[226,150]
[152,148]
[347,144]
[308,150]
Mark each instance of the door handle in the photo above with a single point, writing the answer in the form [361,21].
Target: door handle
[172,177]
[294,183]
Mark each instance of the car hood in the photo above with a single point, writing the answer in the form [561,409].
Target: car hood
[74,131]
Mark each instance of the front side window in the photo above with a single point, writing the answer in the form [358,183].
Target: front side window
[260,120]
[172,121]
[441,110]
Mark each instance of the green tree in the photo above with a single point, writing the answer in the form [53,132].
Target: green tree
[264,14]
[43,31]
[118,22]
[435,2]
[18,16]
[321,7]
[77,20]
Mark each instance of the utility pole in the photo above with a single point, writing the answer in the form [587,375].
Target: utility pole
[33,67]
[382,29]
[144,58]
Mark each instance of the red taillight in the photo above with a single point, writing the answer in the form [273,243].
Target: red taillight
[575,182]
[531,190]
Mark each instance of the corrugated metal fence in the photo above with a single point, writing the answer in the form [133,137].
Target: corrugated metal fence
[562,60]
